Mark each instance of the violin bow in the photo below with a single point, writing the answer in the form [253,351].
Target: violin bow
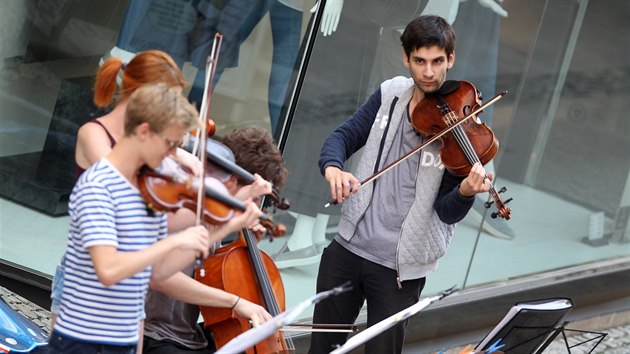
[202,133]
[421,146]
[389,322]
[249,338]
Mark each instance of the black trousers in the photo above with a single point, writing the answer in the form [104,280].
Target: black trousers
[152,346]
[371,282]
[58,344]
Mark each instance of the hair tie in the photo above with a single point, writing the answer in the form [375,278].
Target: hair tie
[119,77]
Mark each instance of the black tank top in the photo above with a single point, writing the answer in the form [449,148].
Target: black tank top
[112,142]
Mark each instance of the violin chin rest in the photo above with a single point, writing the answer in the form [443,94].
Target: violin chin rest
[448,87]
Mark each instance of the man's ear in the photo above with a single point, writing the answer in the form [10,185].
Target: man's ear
[405,58]
[451,60]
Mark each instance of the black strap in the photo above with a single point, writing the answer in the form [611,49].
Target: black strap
[389,120]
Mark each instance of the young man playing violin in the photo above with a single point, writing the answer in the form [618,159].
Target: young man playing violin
[172,305]
[115,244]
[392,233]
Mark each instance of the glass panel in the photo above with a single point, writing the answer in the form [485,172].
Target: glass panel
[47,73]
[562,161]
[337,82]
[518,53]
[45,95]
[564,137]
[368,49]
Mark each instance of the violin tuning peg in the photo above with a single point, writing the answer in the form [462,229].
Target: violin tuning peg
[502,190]
[494,215]
[488,204]
[507,201]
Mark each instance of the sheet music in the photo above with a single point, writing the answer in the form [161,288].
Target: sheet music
[540,305]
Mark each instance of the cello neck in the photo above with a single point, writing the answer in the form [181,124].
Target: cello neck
[261,274]
[263,278]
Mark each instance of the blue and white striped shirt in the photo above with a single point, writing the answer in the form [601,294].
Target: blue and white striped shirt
[105,209]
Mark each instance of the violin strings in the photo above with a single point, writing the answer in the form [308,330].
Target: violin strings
[472,157]
[462,138]
[467,147]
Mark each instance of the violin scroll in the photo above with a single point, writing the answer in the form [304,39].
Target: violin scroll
[278,202]
[273,230]
[503,211]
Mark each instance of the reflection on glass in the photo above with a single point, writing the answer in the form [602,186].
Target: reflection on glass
[186,29]
[559,55]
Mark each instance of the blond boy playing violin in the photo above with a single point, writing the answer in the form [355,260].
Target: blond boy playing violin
[115,244]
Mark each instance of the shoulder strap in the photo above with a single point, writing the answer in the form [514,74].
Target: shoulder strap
[112,141]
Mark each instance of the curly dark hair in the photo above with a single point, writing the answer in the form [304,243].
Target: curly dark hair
[255,151]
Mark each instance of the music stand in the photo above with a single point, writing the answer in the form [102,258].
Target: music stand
[529,327]
[562,329]
[388,323]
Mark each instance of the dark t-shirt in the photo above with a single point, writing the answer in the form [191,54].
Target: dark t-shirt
[173,320]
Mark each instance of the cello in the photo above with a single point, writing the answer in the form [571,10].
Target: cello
[239,268]
[242,269]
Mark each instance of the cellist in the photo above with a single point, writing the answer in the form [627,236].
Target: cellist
[172,306]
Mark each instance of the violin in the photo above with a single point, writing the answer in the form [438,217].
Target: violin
[467,143]
[436,119]
[170,188]
[223,166]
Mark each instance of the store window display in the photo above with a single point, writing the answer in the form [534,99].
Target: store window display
[373,29]
[186,29]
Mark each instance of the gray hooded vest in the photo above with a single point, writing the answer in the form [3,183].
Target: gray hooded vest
[424,238]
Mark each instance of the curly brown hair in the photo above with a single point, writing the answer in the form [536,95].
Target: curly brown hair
[255,151]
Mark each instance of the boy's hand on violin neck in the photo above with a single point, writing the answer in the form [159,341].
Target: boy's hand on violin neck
[260,187]
[342,183]
[195,238]
[189,161]
[247,218]
[476,182]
